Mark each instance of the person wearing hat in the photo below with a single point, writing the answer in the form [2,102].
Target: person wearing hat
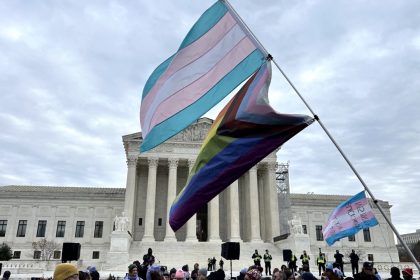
[320,261]
[329,272]
[407,273]
[94,274]
[267,262]
[366,273]
[256,257]
[253,274]
[242,273]
[132,273]
[305,258]
[65,271]
[180,275]
[202,272]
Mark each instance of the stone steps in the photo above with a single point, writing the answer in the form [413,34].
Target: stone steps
[177,254]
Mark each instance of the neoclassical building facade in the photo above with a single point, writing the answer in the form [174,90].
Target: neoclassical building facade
[246,211]
[256,211]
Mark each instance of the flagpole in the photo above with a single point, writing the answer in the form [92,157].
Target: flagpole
[264,50]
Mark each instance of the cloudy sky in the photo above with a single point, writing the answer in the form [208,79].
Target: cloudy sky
[72,72]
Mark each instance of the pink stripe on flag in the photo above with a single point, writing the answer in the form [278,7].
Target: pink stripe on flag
[194,70]
[189,54]
[359,203]
[347,225]
[201,86]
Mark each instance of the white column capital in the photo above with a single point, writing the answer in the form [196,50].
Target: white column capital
[173,163]
[272,166]
[261,165]
[153,162]
[131,161]
[191,163]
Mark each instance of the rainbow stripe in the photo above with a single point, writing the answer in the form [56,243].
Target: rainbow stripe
[245,132]
[214,58]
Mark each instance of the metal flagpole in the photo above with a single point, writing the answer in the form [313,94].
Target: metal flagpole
[263,49]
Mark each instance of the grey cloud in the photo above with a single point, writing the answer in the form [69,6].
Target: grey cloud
[72,74]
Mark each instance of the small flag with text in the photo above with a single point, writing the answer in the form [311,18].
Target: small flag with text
[349,218]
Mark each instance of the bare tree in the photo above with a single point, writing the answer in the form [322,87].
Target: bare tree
[360,253]
[46,248]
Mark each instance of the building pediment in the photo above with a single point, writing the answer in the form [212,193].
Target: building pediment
[196,132]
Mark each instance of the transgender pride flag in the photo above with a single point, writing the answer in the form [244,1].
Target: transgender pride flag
[244,133]
[348,218]
[214,58]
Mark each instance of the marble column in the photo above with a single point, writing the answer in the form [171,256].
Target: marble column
[261,200]
[273,198]
[149,221]
[130,191]
[254,216]
[192,222]
[233,214]
[173,165]
[213,220]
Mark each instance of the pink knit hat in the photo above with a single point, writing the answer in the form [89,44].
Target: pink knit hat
[179,274]
[254,274]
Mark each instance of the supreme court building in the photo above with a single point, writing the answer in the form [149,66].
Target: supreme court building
[115,226]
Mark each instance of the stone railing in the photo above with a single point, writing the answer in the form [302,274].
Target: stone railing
[28,266]
[384,268]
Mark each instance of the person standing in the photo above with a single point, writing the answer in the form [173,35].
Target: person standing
[407,273]
[194,272]
[320,261]
[149,259]
[65,271]
[395,273]
[367,272]
[339,260]
[305,258]
[257,258]
[94,274]
[213,263]
[292,263]
[354,260]
[221,263]
[267,262]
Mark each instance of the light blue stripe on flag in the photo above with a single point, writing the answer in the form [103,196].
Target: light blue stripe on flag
[213,59]
[243,70]
[348,218]
[352,231]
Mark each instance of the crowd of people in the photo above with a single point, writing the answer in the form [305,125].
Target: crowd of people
[148,270]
